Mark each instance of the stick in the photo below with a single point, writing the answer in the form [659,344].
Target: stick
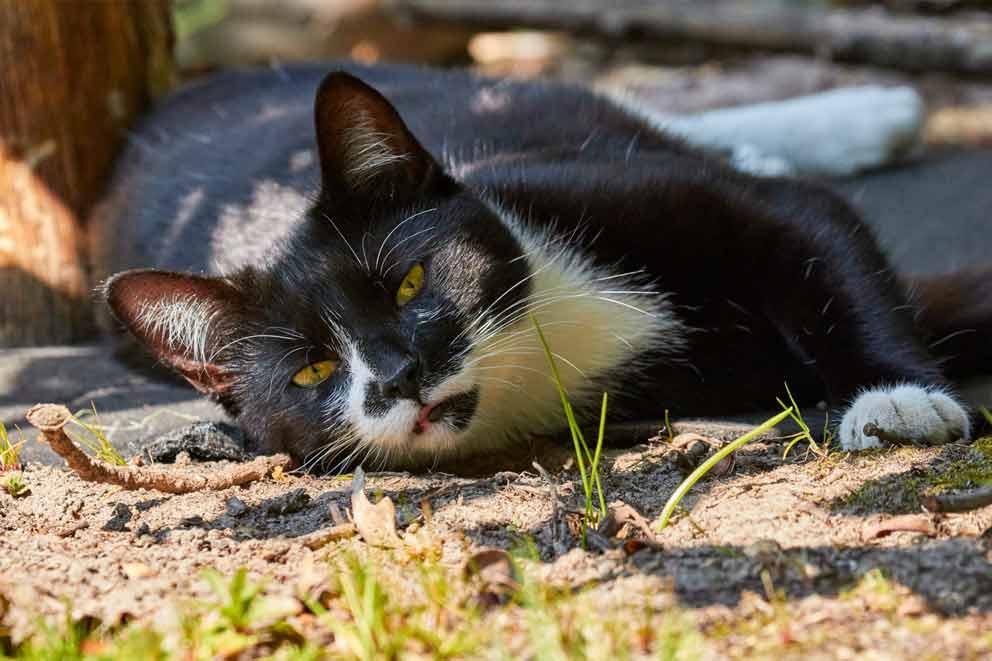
[51,419]
[959,502]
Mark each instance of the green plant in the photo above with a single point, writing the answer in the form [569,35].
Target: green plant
[986,413]
[583,454]
[805,434]
[15,485]
[9,451]
[705,467]
[95,440]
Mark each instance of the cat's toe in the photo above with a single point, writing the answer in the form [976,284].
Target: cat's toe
[912,413]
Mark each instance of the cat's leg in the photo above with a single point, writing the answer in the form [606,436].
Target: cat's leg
[843,311]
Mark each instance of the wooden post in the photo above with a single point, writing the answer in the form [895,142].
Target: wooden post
[73,75]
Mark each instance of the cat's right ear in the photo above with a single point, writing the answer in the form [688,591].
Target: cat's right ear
[366,150]
[184,320]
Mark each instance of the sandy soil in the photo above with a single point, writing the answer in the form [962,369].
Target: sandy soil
[766,554]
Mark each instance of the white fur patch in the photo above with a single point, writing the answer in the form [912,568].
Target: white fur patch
[596,322]
[914,413]
[367,151]
[182,323]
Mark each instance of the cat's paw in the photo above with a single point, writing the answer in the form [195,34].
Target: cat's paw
[911,413]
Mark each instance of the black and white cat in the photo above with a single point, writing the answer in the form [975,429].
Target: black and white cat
[369,295]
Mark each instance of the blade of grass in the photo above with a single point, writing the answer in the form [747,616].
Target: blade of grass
[577,440]
[704,468]
[986,413]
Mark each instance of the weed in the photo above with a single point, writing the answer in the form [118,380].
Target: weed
[805,434]
[9,451]
[986,414]
[15,485]
[590,473]
[705,467]
[95,440]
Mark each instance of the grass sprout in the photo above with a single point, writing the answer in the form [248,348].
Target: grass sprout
[986,414]
[95,440]
[15,485]
[9,451]
[805,433]
[705,467]
[588,459]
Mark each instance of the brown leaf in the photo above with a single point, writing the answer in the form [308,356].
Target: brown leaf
[627,523]
[496,574]
[376,523]
[921,523]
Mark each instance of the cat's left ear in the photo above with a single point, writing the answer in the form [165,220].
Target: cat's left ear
[366,150]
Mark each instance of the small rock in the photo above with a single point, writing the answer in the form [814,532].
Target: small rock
[121,517]
[202,441]
[235,506]
[289,503]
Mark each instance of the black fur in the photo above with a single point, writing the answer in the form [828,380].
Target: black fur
[778,279]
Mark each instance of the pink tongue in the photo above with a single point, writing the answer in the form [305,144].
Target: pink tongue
[422,420]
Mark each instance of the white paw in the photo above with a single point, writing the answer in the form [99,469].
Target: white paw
[911,413]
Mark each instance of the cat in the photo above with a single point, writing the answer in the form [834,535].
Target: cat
[354,265]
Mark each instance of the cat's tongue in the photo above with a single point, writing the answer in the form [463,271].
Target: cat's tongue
[429,413]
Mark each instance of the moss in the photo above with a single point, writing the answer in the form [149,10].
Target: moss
[955,468]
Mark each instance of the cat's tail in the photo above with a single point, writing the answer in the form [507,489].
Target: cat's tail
[955,315]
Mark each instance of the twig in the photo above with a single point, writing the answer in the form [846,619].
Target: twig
[959,502]
[50,419]
[315,540]
[554,503]
[921,523]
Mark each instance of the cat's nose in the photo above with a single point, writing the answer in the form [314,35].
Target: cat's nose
[405,381]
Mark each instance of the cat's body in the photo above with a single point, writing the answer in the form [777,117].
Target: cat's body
[657,273]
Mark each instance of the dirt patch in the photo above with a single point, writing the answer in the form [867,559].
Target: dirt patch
[774,557]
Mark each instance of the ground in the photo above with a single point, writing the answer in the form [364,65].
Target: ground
[772,558]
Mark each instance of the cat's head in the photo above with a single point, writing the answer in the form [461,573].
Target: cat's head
[356,339]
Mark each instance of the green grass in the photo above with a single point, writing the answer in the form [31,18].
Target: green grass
[712,461]
[94,439]
[986,413]
[805,433]
[9,451]
[587,459]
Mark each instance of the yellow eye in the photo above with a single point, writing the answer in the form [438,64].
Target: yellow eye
[312,376]
[411,286]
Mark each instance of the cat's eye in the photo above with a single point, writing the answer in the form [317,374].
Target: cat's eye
[313,375]
[412,283]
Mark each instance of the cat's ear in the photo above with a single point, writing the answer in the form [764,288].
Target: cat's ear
[184,320]
[366,150]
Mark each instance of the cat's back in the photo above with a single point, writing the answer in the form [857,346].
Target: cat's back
[224,168]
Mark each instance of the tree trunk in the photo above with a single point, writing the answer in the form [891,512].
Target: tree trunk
[73,75]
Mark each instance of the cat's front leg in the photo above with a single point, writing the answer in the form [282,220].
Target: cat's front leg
[906,412]
[846,315]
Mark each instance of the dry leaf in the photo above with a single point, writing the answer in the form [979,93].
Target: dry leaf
[496,574]
[376,523]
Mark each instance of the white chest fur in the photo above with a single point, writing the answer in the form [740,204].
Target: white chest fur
[597,322]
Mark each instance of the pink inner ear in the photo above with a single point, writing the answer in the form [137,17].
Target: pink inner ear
[182,319]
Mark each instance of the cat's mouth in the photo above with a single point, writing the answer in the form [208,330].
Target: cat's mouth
[456,411]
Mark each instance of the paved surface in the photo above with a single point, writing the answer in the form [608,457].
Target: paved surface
[932,216]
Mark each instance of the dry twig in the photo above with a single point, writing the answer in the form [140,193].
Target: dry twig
[959,502]
[52,418]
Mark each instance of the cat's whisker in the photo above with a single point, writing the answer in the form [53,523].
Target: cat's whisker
[393,231]
[385,259]
[341,234]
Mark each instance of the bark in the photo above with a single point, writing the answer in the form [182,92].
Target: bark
[871,35]
[73,75]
